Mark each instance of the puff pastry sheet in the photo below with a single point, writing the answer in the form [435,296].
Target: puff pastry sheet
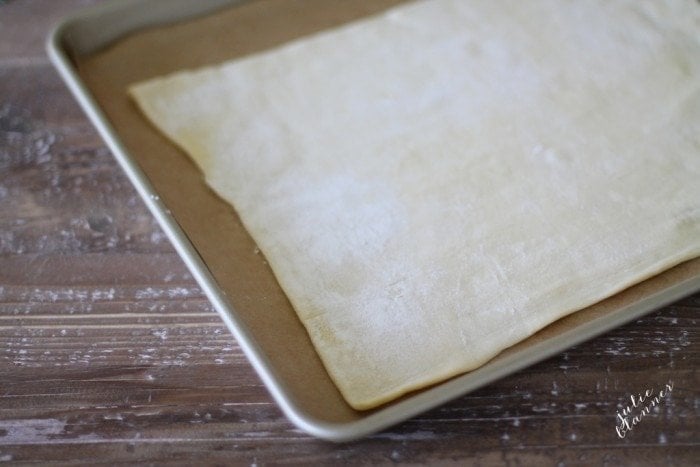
[436,183]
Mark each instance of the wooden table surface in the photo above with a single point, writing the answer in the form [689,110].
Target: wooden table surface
[109,352]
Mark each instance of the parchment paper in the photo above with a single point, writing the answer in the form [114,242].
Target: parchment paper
[227,249]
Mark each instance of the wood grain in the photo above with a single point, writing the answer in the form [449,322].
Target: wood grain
[109,351]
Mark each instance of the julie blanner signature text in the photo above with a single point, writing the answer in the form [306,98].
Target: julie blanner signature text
[642,404]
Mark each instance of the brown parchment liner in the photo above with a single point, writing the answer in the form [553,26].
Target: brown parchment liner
[212,225]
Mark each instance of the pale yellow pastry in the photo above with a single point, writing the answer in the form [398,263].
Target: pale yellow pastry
[437,183]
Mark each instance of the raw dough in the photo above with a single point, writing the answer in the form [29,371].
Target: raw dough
[436,183]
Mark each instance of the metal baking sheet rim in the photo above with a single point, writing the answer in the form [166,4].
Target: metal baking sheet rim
[96,27]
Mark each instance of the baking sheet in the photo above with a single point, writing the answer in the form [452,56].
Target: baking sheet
[247,294]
